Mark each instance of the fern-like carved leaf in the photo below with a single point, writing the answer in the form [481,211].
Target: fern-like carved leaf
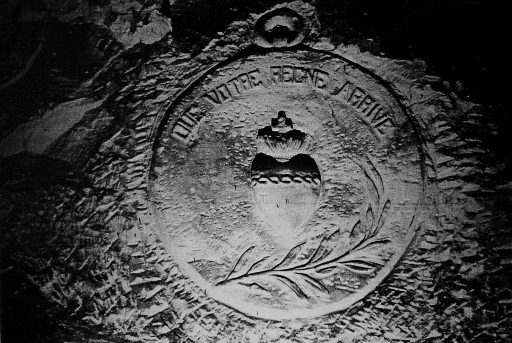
[324,272]
[291,284]
[360,267]
[242,264]
[317,284]
[329,248]
[369,220]
[357,234]
[368,255]
[382,218]
[290,257]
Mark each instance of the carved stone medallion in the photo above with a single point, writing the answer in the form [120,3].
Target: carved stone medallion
[288,184]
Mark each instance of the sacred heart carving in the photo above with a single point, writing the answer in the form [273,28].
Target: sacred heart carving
[285,179]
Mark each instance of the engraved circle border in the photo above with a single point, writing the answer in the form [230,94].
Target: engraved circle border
[259,311]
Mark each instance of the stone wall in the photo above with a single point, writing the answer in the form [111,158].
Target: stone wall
[84,88]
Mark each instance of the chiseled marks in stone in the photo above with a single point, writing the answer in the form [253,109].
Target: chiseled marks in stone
[38,135]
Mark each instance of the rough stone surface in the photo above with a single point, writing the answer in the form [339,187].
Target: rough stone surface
[36,136]
[79,257]
[291,186]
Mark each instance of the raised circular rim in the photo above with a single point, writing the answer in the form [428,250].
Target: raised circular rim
[264,312]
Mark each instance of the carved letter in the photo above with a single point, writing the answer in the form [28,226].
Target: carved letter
[255,78]
[180,132]
[357,95]
[321,79]
[275,74]
[384,125]
[187,121]
[212,97]
[344,91]
[235,87]
[299,75]
[224,93]
[378,114]
[244,81]
[365,105]
[311,76]
[287,74]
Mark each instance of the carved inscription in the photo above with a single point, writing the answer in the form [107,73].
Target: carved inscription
[236,86]
[184,128]
[366,105]
[294,75]
[186,125]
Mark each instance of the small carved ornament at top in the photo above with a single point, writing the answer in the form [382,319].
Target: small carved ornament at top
[279,28]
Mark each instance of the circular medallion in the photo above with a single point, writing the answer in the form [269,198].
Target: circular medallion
[287,185]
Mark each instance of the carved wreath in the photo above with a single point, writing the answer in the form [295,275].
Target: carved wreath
[303,276]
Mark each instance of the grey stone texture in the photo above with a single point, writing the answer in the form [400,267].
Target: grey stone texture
[86,87]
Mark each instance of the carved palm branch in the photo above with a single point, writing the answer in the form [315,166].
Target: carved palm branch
[303,276]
